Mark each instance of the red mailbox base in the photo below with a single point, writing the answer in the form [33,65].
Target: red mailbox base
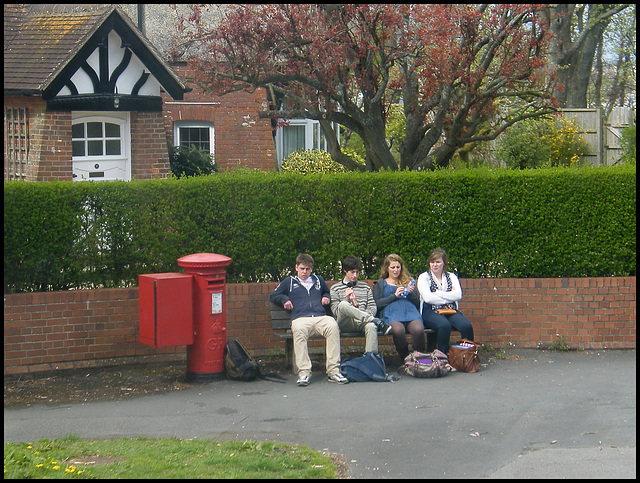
[205,377]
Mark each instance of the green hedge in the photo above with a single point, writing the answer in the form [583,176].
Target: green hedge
[493,223]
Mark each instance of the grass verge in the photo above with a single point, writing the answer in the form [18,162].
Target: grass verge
[73,457]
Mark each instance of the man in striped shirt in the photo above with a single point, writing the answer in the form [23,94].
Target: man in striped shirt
[353,306]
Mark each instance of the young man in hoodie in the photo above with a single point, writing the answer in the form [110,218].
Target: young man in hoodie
[306,295]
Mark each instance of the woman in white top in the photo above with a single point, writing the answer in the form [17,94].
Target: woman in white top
[441,289]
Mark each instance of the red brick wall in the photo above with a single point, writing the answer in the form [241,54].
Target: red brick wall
[149,152]
[242,139]
[49,156]
[62,330]
[54,138]
[50,143]
[83,328]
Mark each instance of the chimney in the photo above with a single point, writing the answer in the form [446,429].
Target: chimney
[141,17]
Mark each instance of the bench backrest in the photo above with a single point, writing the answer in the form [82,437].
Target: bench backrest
[280,318]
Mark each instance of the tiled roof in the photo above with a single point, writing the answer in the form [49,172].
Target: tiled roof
[40,39]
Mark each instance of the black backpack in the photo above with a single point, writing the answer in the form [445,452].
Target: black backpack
[240,365]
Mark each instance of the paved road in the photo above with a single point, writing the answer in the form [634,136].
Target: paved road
[536,415]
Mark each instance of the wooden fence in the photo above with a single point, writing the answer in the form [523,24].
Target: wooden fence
[602,134]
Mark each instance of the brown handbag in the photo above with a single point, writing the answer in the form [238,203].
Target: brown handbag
[463,356]
[420,364]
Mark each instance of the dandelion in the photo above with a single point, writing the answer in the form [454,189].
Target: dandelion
[29,447]
[56,467]
[39,465]
[70,469]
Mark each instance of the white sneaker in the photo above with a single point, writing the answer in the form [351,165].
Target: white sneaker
[303,380]
[338,378]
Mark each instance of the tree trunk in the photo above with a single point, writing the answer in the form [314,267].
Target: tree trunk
[333,147]
[378,153]
[597,84]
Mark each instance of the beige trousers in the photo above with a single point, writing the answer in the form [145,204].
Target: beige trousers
[303,328]
[352,319]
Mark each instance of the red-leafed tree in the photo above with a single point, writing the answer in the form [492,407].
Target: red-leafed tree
[463,73]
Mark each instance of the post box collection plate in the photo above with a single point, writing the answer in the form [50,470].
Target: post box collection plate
[216,303]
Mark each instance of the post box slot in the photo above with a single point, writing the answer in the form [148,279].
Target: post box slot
[215,282]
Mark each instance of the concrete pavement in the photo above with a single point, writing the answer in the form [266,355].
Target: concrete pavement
[537,414]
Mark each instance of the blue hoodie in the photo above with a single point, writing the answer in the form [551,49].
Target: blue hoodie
[305,304]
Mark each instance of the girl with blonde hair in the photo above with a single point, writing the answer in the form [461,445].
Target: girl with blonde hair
[398,310]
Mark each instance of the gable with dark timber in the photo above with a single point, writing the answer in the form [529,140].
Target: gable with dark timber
[103,83]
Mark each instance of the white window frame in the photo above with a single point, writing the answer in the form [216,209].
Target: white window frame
[196,125]
[312,137]
[105,163]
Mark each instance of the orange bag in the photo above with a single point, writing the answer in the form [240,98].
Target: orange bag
[446,311]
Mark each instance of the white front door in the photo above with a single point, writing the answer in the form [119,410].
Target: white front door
[100,146]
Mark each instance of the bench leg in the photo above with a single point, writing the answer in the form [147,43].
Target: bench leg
[432,341]
[289,358]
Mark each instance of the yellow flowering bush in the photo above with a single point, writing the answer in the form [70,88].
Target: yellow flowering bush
[628,143]
[314,161]
[567,145]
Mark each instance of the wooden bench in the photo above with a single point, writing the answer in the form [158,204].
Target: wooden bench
[281,325]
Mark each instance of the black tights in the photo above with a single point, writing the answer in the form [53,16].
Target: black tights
[399,332]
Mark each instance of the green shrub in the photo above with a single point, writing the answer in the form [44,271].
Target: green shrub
[523,145]
[536,143]
[190,161]
[547,222]
[628,142]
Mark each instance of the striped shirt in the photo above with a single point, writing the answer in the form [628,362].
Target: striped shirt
[363,294]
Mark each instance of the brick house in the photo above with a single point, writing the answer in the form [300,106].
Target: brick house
[242,138]
[88,97]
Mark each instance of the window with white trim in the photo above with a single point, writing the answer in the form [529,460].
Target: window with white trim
[300,134]
[100,146]
[201,135]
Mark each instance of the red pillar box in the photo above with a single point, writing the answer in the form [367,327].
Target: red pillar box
[166,309]
[205,357]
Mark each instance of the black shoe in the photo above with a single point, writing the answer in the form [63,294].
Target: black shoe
[383,327]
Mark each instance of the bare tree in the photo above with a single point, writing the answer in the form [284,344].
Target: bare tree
[578,30]
[622,35]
